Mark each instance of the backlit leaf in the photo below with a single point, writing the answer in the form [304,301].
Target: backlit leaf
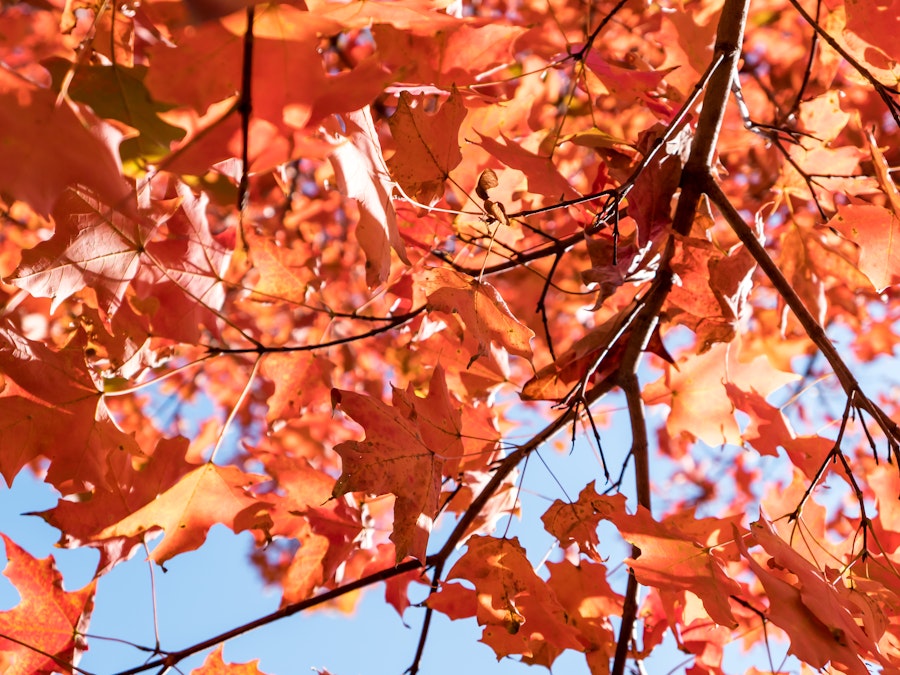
[41,633]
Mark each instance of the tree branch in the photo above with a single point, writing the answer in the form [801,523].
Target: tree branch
[245,107]
[729,38]
[172,658]
[812,327]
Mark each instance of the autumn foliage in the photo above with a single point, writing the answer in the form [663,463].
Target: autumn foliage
[378,255]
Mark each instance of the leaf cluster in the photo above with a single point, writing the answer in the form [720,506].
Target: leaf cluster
[376,256]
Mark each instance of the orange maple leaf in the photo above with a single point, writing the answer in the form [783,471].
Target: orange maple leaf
[92,246]
[51,406]
[300,379]
[481,308]
[519,612]
[206,496]
[408,448]
[363,175]
[694,388]
[215,665]
[876,230]
[814,610]
[427,145]
[36,167]
[673,559]
[577,522]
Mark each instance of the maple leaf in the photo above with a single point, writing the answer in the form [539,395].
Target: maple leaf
[634,263]
[93,246]
[769,429]
[44,631]
[300,379]
[404,453]
[183,289]
[119,93]
[876,230]
[36,167]
[814,612]
[206,10]
[589,602]
[540,172]
[420,17]
[450,53]
[876,23]
[285,275]
[109,252]
[427,145]
[697,382]
[577,522]
[204,497]
[208,67]
[626,83]
[650,203]
[453,350]
[301,510]
[673,560]
[52,406]
[481,308]
[711,294]
[215,665]
[132,482]
[519,613]
[363,175]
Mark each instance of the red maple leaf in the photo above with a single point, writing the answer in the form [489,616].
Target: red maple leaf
[36,166]
[44,632]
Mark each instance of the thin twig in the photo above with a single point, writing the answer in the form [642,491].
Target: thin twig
[883,91]
[640,452]
[426,622]
[397,321]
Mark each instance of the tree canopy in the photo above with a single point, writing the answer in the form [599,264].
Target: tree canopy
[375,256]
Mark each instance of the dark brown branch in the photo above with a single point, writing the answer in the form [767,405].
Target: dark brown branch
[173,658]
[729,38]
[394,322]
[640,450]
[426,622]
[589,43]
[542,307]
[829,458]
[807,72]
[245,108]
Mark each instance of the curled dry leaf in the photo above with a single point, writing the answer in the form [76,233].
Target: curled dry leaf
[486,181]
